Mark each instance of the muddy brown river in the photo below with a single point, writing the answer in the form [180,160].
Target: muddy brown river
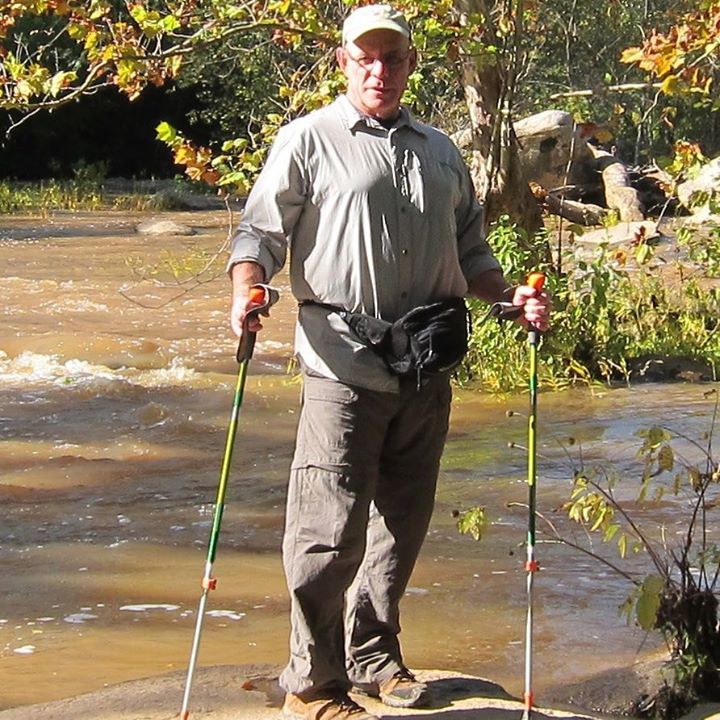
[115,395]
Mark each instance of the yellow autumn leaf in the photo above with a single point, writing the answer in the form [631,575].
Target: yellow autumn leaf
[23,90]
[193,173]
[670,85]
[59,81]
[184,155]
[173,65]
[632,55]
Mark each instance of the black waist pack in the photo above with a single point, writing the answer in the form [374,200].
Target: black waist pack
[429,340]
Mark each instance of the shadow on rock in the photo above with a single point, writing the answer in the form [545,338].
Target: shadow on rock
[447,690]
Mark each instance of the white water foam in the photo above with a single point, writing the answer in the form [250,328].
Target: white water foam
[35,367]
[29,367]
[268,345]
[70,305]
[150,606]
[25,650]
[229,614]
[175,374]
[79,618]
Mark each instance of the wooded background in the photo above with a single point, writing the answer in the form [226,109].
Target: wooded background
[87,83]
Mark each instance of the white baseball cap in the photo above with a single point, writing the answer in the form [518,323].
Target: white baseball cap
[373,17]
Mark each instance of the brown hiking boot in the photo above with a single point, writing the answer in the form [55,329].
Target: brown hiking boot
[404,690]
[335,706]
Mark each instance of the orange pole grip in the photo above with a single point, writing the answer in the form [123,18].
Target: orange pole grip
[257,295]
[536,280]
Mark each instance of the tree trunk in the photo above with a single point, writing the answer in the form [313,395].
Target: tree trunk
[495,165]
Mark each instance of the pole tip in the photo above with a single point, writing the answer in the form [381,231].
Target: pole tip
[529,700]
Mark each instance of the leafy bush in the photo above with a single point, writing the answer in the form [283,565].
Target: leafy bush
[679,597]
[679,594]
[610,322]
[703,250]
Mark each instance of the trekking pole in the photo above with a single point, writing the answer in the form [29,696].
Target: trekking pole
[504,310]
[262,297]
[535,280]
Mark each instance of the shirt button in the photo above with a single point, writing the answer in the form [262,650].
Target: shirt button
[404,251]
[403,295]
[403,209]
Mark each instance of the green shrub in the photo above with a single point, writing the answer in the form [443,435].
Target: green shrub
[610,322]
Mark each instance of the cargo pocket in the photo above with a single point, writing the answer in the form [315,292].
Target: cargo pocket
[328,425]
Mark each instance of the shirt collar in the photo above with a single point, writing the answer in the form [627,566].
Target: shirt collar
[352,117]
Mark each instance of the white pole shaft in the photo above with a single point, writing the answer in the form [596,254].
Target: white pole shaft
[184,712]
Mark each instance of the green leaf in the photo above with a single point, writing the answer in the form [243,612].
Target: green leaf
[643,253]
[656,435]
[648,602]
[166,133]
[626,608]
[139,14]
[622,545]
[695,478]
[170,23]
[677,483]
[472,522]
[666,458]
[236,144]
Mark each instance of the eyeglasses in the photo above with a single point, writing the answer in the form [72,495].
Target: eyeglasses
[391,62]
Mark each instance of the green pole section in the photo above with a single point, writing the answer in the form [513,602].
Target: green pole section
[532,437]
[227,458]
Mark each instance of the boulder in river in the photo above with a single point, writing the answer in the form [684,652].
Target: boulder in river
[163,227]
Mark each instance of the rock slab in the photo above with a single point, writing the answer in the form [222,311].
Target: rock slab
[252,693]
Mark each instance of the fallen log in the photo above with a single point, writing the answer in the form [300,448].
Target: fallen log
[619,193]
[576,212]
[581,181]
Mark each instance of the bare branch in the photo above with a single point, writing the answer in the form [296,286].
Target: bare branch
[625,87]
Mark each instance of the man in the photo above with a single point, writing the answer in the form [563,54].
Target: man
[380,216]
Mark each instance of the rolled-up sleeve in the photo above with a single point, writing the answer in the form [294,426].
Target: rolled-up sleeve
[272,210]
[474,252]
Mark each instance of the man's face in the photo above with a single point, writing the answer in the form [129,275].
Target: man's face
[377,66]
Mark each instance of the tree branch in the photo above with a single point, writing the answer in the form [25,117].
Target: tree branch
[625,87]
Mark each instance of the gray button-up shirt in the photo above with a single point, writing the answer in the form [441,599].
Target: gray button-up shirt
[377,221]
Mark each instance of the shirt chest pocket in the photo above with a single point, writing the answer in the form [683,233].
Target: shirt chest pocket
[427,183]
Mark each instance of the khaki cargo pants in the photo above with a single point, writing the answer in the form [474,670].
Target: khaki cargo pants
[361,493]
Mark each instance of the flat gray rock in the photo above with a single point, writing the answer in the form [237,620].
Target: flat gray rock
[163,227]
[252,693]
[620,234]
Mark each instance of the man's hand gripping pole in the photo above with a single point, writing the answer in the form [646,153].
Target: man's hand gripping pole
[262,297]
[505,310]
